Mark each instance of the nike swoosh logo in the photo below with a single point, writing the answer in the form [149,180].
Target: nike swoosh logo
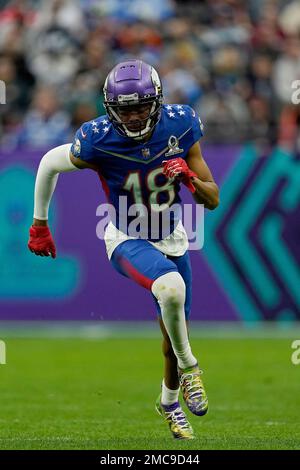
[82,133]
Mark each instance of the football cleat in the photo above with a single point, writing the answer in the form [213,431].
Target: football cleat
[176,419]
[193,391]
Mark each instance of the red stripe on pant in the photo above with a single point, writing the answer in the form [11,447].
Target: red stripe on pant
[135,274]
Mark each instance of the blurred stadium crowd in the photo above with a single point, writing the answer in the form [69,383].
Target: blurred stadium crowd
[233,61]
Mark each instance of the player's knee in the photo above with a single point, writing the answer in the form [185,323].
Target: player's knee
[169,289]
[174,299]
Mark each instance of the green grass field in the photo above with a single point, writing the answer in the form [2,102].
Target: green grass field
[100,394]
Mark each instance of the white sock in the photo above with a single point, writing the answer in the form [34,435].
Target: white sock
[168,396]
[169,289]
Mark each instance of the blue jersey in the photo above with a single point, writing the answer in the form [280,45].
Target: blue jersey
[131,171]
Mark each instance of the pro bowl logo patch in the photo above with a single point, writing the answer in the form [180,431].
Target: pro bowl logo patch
[173,146]
[76,148]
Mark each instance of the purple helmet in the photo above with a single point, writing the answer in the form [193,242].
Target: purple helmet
[133,83]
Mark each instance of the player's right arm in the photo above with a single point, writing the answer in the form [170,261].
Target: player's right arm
[56,161]
[62,159]
[81,164]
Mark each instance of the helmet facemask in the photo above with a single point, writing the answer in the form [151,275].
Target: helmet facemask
[146,125]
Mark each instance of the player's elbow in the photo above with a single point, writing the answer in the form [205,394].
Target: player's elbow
[213,203]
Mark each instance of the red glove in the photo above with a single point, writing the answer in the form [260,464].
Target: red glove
[178,167]
[41,241]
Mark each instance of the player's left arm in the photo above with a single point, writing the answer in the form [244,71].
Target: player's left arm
[206,190]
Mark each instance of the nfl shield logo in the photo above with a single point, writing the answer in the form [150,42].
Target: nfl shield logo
[146,153]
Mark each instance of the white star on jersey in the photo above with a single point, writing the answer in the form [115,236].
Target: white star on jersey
[96,130]
[104,122]
[106,129]
[169,107]
[94,123]
[171,114]
[179,106]
[181,113]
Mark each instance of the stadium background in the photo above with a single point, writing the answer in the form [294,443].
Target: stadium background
[234,62]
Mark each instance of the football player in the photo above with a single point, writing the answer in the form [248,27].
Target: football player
[143,150]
